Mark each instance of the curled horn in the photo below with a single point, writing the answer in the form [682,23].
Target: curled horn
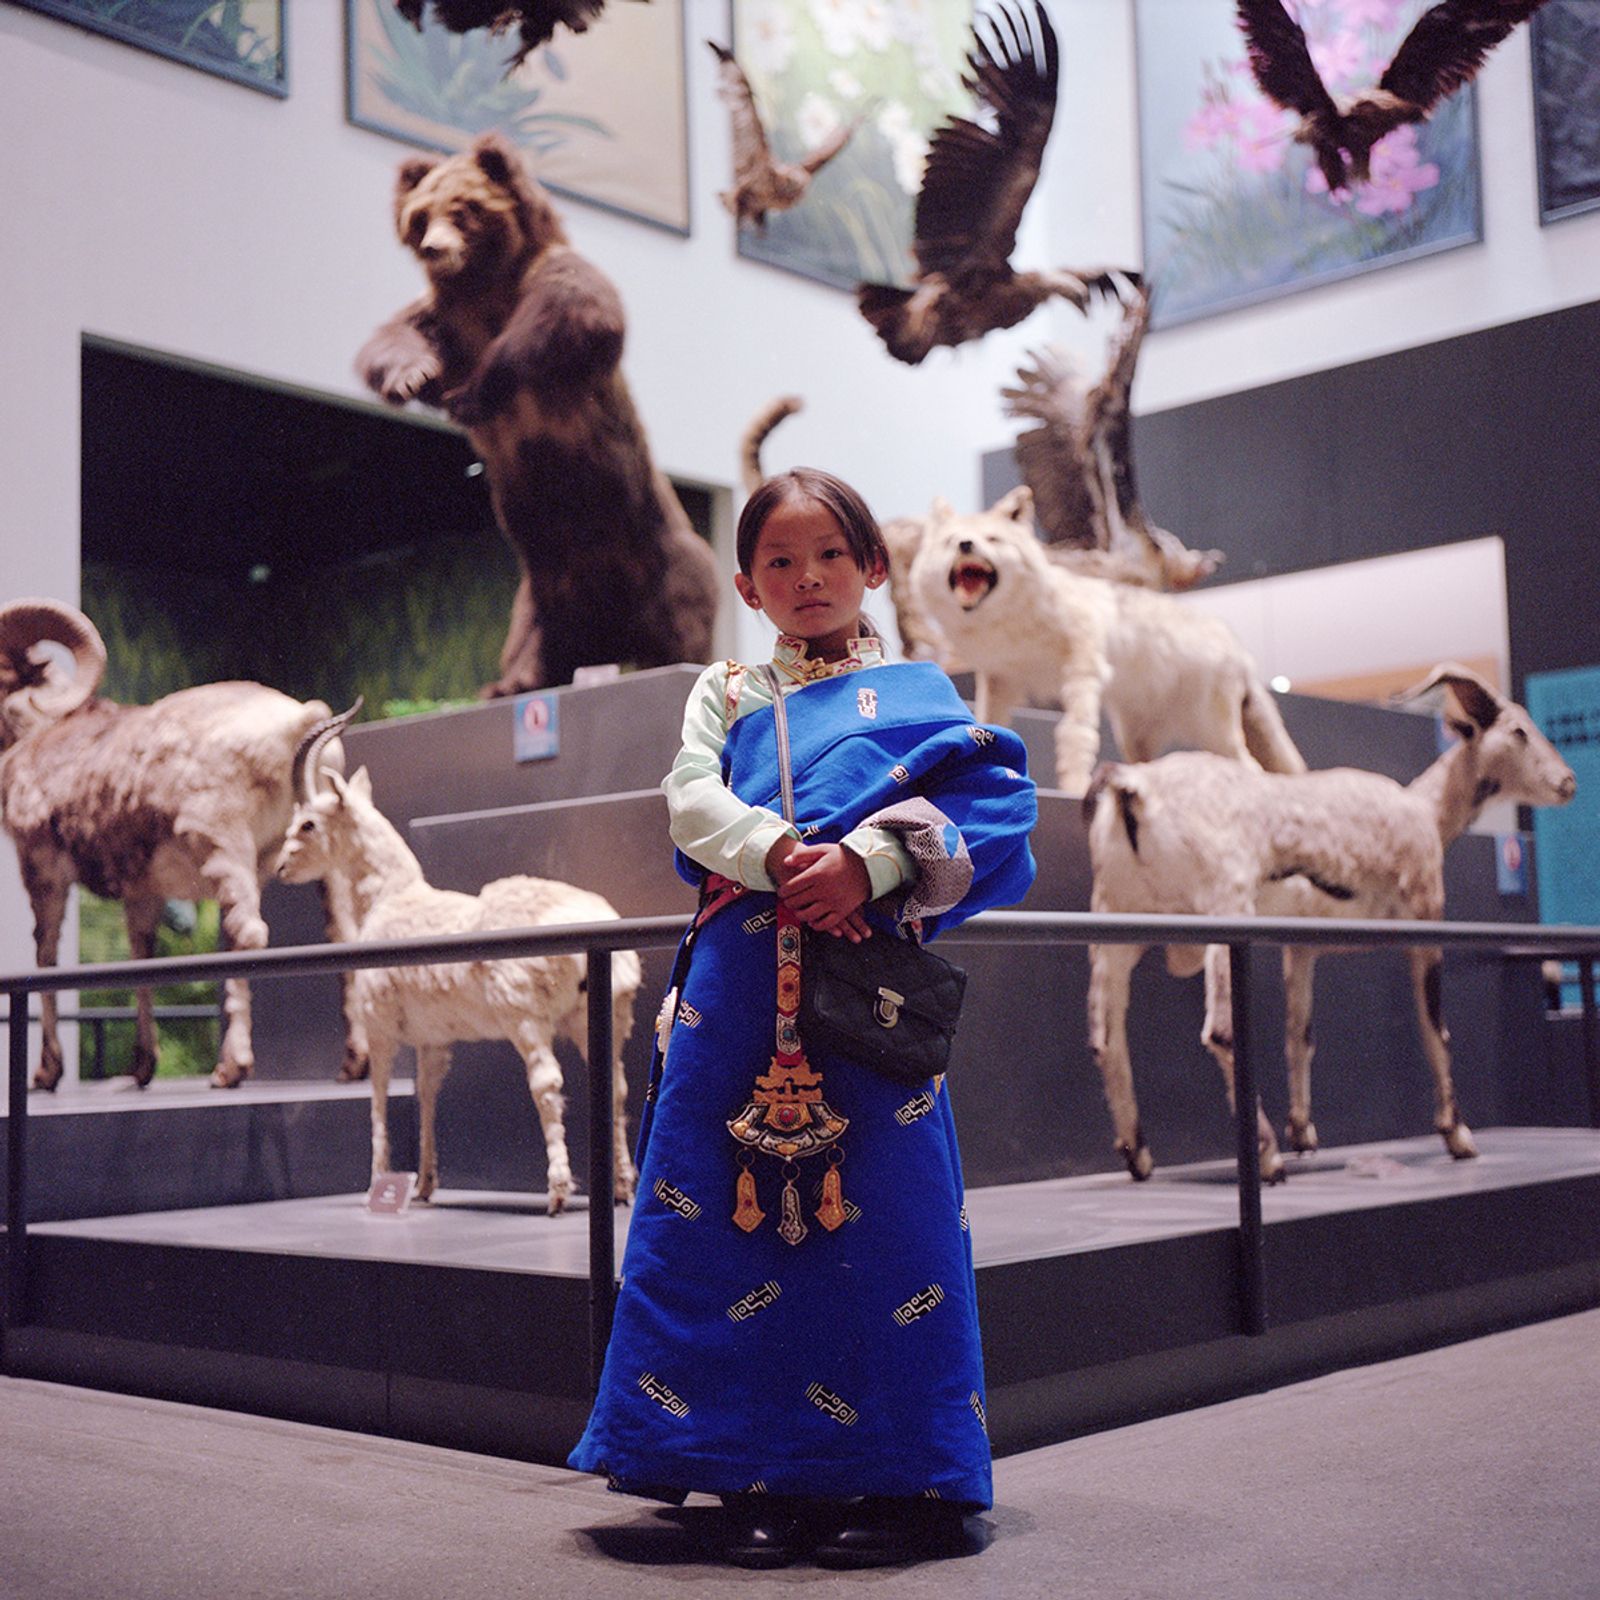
[45,694]
[307,757]
[1478,699]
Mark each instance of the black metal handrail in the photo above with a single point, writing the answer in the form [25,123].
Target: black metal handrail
[600,939]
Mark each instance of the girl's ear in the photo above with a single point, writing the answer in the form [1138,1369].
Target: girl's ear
[876,573]
[747,591]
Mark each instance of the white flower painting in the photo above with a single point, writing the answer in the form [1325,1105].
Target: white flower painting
[892,67]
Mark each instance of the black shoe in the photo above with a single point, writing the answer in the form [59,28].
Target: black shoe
[884,1531]
[763,1536]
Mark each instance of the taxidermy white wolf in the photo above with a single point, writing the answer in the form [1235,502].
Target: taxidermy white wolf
[1031,628]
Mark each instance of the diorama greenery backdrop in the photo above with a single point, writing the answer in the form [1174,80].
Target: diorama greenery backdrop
[1235,211]
[411,629]
[813,65]
[238,39]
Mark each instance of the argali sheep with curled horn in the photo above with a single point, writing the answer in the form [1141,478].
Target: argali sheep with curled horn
[1197,835]
[339,835]
[183,799]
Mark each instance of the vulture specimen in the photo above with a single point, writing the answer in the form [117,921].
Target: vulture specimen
[760,182]
[1078,462]
[977,181]
[534,20]
[1441,53]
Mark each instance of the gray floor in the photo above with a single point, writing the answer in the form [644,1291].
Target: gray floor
[1469,1471]
[509,1232]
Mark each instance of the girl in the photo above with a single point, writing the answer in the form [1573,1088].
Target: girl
[797,1326]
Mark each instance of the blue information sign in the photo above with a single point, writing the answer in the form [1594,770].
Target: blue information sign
[537,734]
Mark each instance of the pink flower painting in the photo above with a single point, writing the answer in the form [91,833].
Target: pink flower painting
[1235,207]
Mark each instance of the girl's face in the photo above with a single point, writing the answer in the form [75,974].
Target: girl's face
[804,576]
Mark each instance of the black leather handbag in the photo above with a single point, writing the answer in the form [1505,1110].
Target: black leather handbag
[885,1002]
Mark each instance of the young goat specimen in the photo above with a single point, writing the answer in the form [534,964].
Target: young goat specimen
[337,832]
[1197,834]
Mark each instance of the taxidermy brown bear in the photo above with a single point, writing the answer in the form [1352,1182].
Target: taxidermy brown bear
[518,339]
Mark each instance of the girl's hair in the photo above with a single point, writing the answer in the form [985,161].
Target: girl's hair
[849,510]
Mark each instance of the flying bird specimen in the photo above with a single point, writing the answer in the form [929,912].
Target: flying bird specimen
[1078,462]
[1443,51]
[976,183]
[761,183]
[534,20]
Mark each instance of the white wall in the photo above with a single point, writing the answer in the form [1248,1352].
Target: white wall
[161,206]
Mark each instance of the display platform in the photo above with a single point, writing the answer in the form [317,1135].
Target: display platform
[463,1323]
[212,1245]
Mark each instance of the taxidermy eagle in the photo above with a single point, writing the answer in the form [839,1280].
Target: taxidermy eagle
[1441,53]
[1078,462]
[760,182]
[534,20]
[976,183]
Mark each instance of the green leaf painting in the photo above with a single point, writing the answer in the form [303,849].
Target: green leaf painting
[1235,209]
[238,39]
[814,64]
[600,115]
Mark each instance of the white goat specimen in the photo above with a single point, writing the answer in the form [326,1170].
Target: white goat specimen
[1196,834]
[337,833]
[183,799]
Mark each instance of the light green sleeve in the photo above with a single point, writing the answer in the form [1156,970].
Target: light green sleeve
[708,822]
[888,864]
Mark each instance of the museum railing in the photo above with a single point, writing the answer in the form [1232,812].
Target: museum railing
[598,940]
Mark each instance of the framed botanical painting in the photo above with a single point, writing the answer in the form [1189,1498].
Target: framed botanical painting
[1566,106]
[815,64]
[1235,210]
[600,116]
[242,40]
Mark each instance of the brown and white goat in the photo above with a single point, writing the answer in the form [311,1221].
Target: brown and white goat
[183,799]
[337,834]
[1196,834]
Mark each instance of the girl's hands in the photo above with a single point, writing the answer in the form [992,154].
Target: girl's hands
[825,886]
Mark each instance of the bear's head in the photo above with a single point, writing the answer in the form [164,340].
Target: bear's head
[474,216]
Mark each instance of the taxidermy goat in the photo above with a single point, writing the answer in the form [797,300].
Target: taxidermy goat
[1031,628]
[1441,53]
[1192,835]
[762,183]
[1078,462]
[976,184]
[339,835]
[185,799]
[534,20]
[519,339]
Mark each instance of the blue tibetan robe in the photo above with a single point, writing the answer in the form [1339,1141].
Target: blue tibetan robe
[849,1363]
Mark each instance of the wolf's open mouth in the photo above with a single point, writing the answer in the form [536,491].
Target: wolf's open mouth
[972,578]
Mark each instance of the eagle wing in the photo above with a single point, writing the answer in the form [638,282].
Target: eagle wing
[1055,456]
[1448,45]
[752,157]
[534,20]
[977,178]
[1280,58]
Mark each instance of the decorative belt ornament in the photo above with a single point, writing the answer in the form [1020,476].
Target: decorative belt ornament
[786,1116]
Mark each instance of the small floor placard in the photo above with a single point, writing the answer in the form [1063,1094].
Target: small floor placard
[390,1193]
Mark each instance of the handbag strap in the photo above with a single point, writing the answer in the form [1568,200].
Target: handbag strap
[780,716]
